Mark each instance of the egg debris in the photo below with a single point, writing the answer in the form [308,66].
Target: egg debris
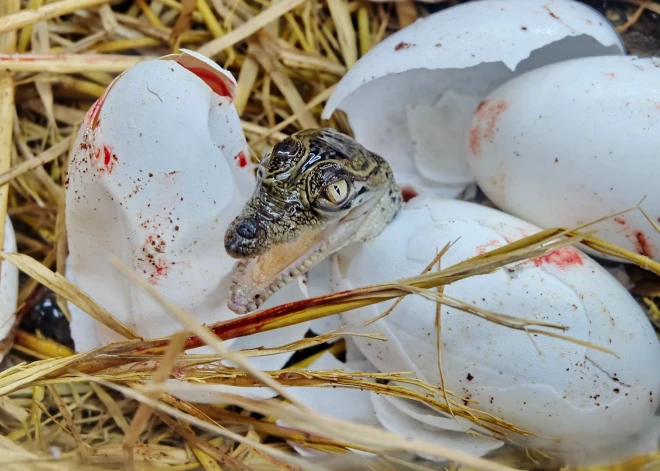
[582,405]
[8,291]
[582,149]
[410,98]
[159,169]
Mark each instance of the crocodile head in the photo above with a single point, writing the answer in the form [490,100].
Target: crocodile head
[317,191]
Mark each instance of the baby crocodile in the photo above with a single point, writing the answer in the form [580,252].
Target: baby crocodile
[317,191]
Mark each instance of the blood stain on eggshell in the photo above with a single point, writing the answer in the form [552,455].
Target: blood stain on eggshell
[92,117]
[151,261]
[211,80]
[408,192]
[103,158]
[483,248]
[642,244]
[562,258]
[242,159]
[551,13]
[403,45]
[485,125]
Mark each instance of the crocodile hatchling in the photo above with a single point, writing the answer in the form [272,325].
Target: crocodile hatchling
[317,191]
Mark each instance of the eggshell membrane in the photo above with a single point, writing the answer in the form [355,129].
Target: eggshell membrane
[8,284]
[574,142]
[411,97]
[158,171]
[580,400]
[397,421]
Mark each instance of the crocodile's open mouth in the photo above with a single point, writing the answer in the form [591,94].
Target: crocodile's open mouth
[256,279]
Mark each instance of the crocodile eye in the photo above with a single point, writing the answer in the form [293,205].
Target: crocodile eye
[337,192]
[287,147]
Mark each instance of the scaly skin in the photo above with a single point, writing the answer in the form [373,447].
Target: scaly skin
[317,191]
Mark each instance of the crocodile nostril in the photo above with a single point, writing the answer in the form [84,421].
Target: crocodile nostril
[247,229]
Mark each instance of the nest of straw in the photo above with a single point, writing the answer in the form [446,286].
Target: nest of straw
[94,411]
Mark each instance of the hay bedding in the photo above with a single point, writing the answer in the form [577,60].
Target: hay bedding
[64,411]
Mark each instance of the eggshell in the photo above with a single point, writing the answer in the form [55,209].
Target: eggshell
[8,286]
[411,97]
[399,416]
[394,418]
[158,171]
[581,402]
[574,142]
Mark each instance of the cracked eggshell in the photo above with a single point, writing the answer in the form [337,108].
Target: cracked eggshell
[159,169]
[586,404]
[8,290]
[399,416]
[574,142]
[410,98]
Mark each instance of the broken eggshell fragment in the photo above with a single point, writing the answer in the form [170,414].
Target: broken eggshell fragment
[158,171]
[8,291]
[584,405]
[573,142]
[410,98]
[401,417]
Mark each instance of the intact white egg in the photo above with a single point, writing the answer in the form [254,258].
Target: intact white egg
[584,405]
[8,291]
[411,97]
[573,142]
[158,171]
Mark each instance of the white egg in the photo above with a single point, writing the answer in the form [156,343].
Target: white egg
[8,291]
[410,98]
[574,142]
[159,170]
[584,405]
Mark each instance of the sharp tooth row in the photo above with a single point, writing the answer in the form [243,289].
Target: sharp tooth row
[282,281]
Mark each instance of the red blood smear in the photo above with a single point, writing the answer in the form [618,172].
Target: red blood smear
[402,45]
[562,258]
[620,220]
[408,192]
[475,140]
[254,322]
[159,270]
[486,117]
[212,80]
[642,245]
[93,113]
[242,159]
[109,159]
[107,153]
[481,249]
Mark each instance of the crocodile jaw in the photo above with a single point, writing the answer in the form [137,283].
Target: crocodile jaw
[256,279]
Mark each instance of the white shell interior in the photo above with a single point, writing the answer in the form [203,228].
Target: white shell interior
[410,98]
